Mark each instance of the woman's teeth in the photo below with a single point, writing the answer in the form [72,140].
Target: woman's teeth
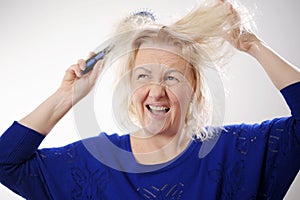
[157,108]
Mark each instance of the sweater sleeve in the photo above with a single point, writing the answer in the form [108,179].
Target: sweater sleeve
[28,171]
[18,144]
[66,172]
[291,95]
[19,162]
[282,150]
[262,159]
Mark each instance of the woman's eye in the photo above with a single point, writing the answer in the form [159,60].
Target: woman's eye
[171,80]
[142,76]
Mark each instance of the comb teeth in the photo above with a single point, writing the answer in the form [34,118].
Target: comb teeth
[145,13]
[142,16]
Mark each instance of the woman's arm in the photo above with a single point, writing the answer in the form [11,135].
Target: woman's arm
[73,88]
[279,70]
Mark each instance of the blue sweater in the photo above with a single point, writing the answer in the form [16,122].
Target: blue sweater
[257,161]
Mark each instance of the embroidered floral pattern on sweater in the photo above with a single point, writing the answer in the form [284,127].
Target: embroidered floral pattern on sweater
[89,185]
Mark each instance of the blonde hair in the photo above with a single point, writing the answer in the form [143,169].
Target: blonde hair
[200,36]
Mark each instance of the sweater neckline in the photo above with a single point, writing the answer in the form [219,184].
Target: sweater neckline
[165,165]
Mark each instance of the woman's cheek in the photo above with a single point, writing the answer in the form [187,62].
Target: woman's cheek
[182,95]
[137,98]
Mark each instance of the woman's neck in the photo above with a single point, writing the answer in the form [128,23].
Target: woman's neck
[159,148]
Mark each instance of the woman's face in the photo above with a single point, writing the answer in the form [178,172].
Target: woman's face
[162,87]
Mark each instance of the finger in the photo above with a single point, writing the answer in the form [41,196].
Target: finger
[91,54]
[82,64]
[69,74]
[76,70]
[235,17]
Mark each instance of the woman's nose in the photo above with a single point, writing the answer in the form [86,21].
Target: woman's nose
[157,91]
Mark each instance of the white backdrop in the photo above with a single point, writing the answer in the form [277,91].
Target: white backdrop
[40,39]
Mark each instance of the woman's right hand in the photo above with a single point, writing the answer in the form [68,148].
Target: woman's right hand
[73,88]
[79,85]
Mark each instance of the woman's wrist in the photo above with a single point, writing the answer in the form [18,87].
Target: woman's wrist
[64,97]
[62,102]
[256,47]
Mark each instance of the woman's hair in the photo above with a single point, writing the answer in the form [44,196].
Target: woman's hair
[200,37]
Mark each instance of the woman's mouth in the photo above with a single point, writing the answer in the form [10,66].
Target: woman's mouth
[157,109]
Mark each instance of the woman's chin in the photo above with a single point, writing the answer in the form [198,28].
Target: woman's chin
[158,128]
[153,129]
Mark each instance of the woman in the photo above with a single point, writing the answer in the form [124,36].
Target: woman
[161,159]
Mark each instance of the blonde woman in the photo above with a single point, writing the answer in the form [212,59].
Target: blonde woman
[166,99]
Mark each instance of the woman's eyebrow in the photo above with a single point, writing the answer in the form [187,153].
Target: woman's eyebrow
[142,68]
[169,71]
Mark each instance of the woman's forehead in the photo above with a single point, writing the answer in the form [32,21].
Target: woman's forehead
[168,57]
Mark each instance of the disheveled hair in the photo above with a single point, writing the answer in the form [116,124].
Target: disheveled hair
[200,35]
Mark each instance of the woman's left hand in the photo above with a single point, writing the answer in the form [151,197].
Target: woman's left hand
[240,37]
[281,72]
